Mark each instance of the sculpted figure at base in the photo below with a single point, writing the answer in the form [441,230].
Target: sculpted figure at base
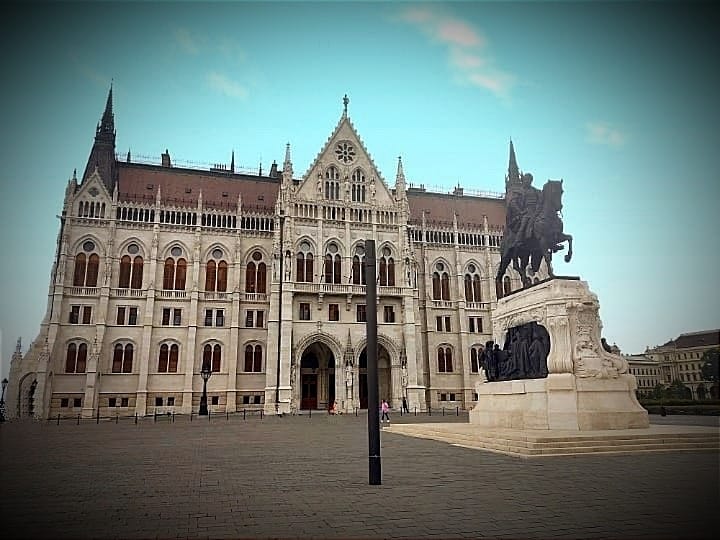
[523,356]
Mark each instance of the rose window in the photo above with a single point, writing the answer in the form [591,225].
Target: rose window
[345,152]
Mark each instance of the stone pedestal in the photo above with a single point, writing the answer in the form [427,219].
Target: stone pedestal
[587,388]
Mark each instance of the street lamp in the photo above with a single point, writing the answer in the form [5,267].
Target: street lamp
[205,373]
[2,400]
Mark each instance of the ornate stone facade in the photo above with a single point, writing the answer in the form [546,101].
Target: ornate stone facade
[160,269]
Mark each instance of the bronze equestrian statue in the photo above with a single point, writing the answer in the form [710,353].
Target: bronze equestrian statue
[533,229]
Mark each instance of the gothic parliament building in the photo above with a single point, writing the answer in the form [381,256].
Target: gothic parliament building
[161,270]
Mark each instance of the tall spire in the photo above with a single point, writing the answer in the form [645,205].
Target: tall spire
[107,124]
[102,154]
[400,181]
[513,175]
[346,100]
[232,162]
[287,171]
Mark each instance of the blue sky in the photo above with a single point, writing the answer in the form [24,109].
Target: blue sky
[618,99]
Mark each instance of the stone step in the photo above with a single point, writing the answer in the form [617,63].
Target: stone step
[521,444]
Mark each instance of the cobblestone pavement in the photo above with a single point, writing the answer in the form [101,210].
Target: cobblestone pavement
[308,477]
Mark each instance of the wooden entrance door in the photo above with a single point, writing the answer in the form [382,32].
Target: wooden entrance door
[309,391]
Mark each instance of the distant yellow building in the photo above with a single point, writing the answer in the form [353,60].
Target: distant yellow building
[679,359]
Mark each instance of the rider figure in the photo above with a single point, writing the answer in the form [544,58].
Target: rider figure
[530,200]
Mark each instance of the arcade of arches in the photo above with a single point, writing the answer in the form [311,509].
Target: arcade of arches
[321,383]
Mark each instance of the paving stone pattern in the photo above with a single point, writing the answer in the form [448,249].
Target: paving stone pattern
[308,477]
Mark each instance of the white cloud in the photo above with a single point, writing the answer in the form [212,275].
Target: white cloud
[465,48]
[223,84]
[603,133]
[186,41]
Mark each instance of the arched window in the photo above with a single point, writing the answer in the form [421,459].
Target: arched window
[472,284]
[444,356]
[174,271]
[210,275]
[222,274]
[87,265]
[358,266]
[436,286]
[122,358]
[212,357]
[253,358]
[445,279]
[387,268]
[256,275]
[476,353]
[305,263]
[168,360]
[131,271]
[79,275]
[333,265]
[332,184]
[92,270]
[137,273]
[441,283]
[125,270]
[358,185]
[507,286]
[76,358]
[216,272]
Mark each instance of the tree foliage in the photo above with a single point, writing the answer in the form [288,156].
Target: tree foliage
[710,363]
[677,390]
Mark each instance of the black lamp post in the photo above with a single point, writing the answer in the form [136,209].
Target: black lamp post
[205,374]
[2,400]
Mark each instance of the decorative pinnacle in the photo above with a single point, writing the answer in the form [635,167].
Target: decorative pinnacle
[287,153]
[400,167]
[346,100]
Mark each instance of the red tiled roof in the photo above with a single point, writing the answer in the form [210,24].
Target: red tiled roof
[708,338]
[470,210]
[258,192]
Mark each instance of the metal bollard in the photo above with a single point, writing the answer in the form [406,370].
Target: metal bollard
[117,417]
[310,415]
[415,411]
[243,414]
[227,415]
[209,415]
[443,411]
[429,411]
[78,420]
[136,418]
[173,417]
[58,421]
[262,412]
[356,411]
[457,411]
[191,416]
[98,416]
[154,417]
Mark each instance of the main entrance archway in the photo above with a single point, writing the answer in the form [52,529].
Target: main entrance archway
[384,377]
[317,377]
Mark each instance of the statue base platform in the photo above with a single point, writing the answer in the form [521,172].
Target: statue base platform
[587,388]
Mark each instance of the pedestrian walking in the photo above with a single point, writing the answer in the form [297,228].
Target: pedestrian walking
[385,411]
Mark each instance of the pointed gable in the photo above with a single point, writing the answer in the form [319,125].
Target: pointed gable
[346,153]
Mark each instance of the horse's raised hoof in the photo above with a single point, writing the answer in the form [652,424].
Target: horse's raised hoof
[567,258]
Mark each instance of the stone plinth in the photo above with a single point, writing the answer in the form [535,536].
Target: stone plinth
[587,388]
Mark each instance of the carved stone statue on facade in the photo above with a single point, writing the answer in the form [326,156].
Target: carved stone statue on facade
[533,229]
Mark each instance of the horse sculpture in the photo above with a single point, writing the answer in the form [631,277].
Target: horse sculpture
[536,242]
